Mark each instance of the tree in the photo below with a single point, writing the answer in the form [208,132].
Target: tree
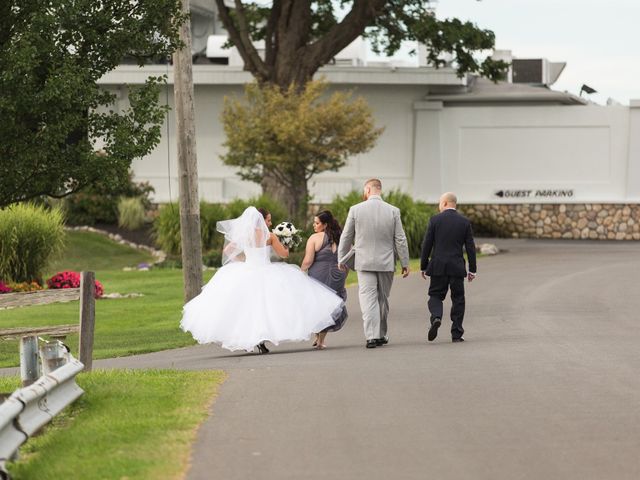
[303,35]
[295,134]
[58,127]
[300,36]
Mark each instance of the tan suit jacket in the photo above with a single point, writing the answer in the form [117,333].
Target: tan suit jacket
[374,229]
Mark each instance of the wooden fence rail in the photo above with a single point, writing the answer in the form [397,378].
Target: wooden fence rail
[85,326]
[55,331]
[40,297]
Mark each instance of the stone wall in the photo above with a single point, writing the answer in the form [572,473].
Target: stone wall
[565,220]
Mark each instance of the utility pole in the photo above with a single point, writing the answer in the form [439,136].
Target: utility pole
[187,163]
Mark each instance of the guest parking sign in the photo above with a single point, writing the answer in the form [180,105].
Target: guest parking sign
[535,194]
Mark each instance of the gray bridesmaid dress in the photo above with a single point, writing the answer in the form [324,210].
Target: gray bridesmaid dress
[325,269]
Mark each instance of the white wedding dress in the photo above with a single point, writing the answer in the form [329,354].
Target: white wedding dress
[250,300]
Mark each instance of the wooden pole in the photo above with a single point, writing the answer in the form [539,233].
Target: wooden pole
[187,164]
[29,371]
[87,318]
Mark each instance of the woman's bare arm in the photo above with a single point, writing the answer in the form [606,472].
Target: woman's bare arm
[228,248]
[281,250]
[228,251]
[309,253]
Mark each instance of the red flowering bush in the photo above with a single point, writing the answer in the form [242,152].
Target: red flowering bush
[99,290]
[4,288]
[70,279]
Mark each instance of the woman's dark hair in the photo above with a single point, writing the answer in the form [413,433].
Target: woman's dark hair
[333,228]
[264,212]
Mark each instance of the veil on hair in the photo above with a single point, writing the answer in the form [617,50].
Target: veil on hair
[249,230]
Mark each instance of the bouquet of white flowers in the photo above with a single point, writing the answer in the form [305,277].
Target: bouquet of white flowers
[288,234]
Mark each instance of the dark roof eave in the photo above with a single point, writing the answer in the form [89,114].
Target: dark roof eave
[542,99]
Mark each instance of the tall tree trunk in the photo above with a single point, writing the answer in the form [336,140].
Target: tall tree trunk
[293,197]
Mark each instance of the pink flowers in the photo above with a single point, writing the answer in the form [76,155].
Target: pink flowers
[66,279]
[99,291]
[70,279]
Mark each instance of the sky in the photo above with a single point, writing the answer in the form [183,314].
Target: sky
[599,40]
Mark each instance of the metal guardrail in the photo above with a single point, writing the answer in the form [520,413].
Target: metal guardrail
[28,409]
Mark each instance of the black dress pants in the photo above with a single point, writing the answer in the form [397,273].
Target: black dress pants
[438,291]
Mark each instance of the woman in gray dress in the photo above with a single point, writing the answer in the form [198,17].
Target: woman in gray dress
[321,261]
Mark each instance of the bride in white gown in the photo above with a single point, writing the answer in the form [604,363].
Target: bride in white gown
[251,300]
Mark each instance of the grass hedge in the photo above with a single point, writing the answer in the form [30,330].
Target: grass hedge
[167,225]
[31,237]
[415,217]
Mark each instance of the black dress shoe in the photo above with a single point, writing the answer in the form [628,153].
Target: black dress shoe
[456,340]
[433,331]
[372,343]
[382,341]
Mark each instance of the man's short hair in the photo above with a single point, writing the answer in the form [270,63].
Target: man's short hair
[373,183]
[450,197]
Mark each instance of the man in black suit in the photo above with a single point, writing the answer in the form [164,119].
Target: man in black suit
[447,233]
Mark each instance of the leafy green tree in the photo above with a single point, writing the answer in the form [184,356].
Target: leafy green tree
[300,36]
[303,35]
[295,134]
[58,128]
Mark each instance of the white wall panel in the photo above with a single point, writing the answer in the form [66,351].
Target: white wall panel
[426,149]
[581,150]
[542,155]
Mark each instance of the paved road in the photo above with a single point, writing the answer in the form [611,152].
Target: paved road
[545,387]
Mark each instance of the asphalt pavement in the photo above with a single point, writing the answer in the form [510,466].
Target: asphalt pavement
[544,387]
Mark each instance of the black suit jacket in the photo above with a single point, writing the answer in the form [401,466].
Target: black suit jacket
[446,234]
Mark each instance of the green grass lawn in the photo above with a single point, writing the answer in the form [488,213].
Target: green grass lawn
[123,326]
[128,424]
[92,251]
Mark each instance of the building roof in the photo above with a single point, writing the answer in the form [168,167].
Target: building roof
[484,91]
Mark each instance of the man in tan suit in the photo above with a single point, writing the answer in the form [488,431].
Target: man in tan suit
[374,228]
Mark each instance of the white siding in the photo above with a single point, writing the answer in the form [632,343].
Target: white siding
[427,149]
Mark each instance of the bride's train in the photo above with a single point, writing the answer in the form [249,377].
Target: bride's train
[246,303]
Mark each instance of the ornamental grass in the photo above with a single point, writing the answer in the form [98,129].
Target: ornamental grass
[131,213]
[31,237]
